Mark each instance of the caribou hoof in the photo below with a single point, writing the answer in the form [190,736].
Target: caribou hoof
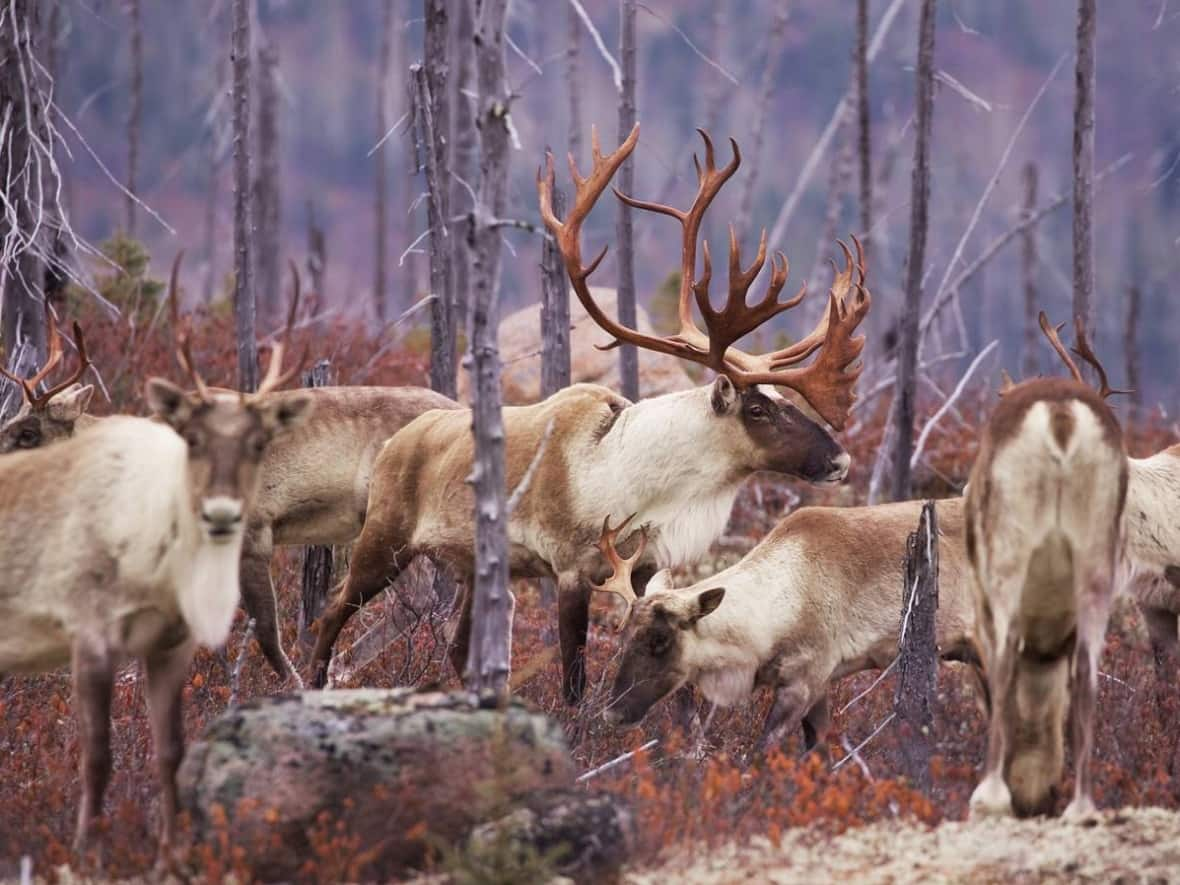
[1082,808]
[991,799]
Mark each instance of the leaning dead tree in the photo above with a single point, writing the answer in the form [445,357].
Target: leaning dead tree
[267,200]
[317,567]
[243,217]
[1028,273]
[628,354]
[1083,166]
[464,151]
[433,97]
[134,111]
[489,655]
[917,649]
[907,360]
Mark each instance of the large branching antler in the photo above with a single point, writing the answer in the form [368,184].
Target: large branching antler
[1081,348]
[827,383]
[53,337]
[619,582]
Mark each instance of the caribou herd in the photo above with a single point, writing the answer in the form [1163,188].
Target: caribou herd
[135,538]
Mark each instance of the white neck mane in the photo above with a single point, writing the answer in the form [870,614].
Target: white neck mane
[663,460]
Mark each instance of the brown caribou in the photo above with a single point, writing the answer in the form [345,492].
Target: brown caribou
[676,461]
[124,541]
[1044,522]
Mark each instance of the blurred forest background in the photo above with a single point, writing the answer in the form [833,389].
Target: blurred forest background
[700,64]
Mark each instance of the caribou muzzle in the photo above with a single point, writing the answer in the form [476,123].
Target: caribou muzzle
[221,517]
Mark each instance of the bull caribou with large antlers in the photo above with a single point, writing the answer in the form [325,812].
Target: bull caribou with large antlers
[52,414]
[124,542]
[675,461]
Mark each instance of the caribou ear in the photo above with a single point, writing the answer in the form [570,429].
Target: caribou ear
[661,580]
[68,406]
[706,603]
[168,402]
[724,395]
[291,411]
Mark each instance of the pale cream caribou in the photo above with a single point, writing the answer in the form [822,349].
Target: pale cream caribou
[676,461]
[818,599]
[124,542]
[1044,522]
[315,479]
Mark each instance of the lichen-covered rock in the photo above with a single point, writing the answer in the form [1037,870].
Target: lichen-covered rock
[585,836]
[395,771]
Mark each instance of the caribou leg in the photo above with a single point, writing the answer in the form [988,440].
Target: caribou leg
[93,675]
[573,624]
[258,599]
[1093,611]
[166,671]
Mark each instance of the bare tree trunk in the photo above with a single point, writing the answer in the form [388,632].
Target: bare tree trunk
[774,50]
[317,259]
[464,155]
[317,559]
[134,112]
[573,83]
[381,161]
[917,651]
[491,636]
[1028,272]
[243,233]
[267,202]
[209,223]
[1131,348]
[838,180]
[628,354]
[1083,166]
[433,89]
[555,312]
[55,280]
[907,360]
[21,315]
[864,131]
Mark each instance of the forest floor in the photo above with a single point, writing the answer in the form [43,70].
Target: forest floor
[1128,845]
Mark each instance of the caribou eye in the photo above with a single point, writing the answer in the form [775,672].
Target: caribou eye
[28,439]
[756,411]
[258,444]
[659,644]
[192,438]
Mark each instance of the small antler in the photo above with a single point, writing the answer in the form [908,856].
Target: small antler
[275,376]
[619,582]
[53,338]
[1082,349]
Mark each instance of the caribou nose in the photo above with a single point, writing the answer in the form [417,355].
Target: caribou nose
[839,467]
[223,515]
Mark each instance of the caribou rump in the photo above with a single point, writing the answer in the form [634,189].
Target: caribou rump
[677,461]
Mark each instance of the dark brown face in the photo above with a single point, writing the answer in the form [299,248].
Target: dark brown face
[227,437]
[33,428]
[653,662]
[781,437]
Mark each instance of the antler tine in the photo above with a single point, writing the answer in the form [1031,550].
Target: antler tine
[77,375]
[275,376]
[53,342]
[1082,348]
[619,582]
[1052,333]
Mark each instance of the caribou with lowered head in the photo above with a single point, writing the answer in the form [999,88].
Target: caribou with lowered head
[1044,523]
[676,461]
[55,413]
[124,542]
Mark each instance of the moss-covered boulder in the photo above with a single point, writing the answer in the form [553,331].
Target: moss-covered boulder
[386,777]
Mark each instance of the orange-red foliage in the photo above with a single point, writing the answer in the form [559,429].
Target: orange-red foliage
[681,797]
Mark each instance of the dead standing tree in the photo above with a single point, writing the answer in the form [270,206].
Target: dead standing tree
[573,83]
[1028,272]
[864,131]
[907,360]
[489,656]
[317,559]
[266,197]
[628,354]
[134,111]
[1131,349]
[1083,167]
[464,152]
[243,268]
[917,648]
[434,113]
[381,168]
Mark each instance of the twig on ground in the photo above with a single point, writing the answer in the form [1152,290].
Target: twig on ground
[236,674]
[618,760]
[855,752]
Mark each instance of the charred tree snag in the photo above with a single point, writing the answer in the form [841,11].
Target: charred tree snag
[380,170]
[435,117]
[917,648]
[464,153]
[244,318]
[1028,272]
[317,559]
[907,360]
[864,132]
[628,354]
[1083,167]
[267,204]
[134,112]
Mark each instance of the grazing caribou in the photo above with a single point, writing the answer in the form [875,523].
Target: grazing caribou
[816,600]
[1044,516]
[53,415]
[124,542]
[676,461]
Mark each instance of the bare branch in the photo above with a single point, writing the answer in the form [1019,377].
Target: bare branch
[616,71]
[948,403]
